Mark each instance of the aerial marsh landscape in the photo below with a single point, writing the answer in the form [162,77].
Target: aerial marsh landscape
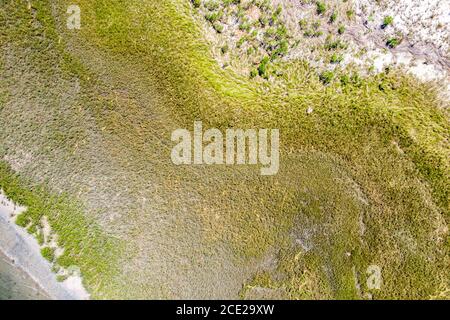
[91,92]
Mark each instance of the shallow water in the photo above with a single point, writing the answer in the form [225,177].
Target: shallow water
[16,284]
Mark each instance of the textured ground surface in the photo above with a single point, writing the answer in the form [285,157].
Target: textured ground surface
[343,37]
[86,118]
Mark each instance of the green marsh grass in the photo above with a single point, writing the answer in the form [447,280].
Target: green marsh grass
[365,159]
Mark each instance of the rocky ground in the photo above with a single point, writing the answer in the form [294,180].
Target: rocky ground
[335,36]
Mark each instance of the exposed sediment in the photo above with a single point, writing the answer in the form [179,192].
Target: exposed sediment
[23,252]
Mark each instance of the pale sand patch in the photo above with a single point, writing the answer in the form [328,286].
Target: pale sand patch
[423,26]
[424,21]
[24,250]
[74,284]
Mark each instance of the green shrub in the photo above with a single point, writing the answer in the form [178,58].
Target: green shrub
[228,2]
[48,253]
[213,17]
[270,32]
[224,49]
[316,25]
[345,80]
[278,10]
[281,32]
[341,29]
[218,27]
[336,44]
[61,278]
[262,69]
[320,7]
[350,14]
[244,26]
[326,77]
[22,220]
[335,58]
[312,33]
[282,49]
[333,17]
[388,20]
[253,73]
[241,41]
[356,80]
[196,3]
[393,42]
[32,229]
[212,5]
[40,238]
[263,21]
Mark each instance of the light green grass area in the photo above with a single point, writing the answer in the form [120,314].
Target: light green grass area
[364,178]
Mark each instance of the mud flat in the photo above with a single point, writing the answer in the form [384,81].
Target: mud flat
[24,273]
[16,284]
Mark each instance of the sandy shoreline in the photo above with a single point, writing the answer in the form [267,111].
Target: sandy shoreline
[15,284]
[23,251]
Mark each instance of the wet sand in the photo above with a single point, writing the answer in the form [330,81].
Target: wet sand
[16,284]
[24,273]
